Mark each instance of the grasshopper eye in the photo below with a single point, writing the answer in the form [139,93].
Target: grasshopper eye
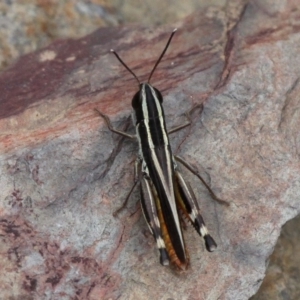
[136,100]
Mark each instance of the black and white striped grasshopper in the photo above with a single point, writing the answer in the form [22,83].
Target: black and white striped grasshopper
[164,192]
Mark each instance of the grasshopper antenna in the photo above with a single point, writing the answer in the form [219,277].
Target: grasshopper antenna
[122,62]
[162,54]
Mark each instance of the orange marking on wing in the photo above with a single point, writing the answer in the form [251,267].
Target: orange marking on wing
[166,237]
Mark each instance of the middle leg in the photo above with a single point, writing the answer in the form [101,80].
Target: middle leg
[137,164]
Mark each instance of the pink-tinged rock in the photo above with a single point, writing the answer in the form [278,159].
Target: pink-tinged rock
[63,173]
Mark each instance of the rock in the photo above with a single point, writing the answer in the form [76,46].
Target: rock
[282,277]
[28,25]
[63,173]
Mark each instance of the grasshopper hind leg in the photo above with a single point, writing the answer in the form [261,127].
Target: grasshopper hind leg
[187,202]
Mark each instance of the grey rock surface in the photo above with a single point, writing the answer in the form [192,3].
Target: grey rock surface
[282,276]
[28,25]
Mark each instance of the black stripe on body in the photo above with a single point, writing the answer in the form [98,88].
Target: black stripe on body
[157,160]
[152,128]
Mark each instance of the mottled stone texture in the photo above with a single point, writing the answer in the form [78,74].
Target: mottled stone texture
[282,276]
[30,24]
[63,173]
